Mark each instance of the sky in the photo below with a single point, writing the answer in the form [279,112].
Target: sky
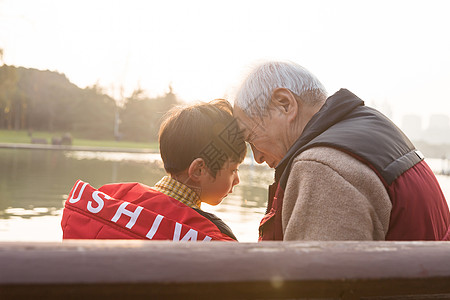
[392,54]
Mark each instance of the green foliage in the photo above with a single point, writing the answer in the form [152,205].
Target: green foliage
[50,99]
[142,116]
[35,100]
[93,115]
[12,100]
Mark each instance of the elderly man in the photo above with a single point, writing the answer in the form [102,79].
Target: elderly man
[343,171]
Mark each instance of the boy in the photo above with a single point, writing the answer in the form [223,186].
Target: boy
[201,148]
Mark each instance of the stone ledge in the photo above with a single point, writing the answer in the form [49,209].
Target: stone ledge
[99,269]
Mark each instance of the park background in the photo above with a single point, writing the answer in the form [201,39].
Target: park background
[392,54]
[105,72]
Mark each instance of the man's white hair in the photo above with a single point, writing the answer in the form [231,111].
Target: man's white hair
[254,95]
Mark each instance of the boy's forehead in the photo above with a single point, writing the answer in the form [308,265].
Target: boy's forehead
[230,163]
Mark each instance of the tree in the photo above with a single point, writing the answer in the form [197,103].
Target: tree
[93,114]
[44,100]
[12,100]
[142,116]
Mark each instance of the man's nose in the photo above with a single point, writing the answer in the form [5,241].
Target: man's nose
[259,158]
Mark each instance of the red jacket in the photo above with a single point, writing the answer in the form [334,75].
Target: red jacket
[132,211]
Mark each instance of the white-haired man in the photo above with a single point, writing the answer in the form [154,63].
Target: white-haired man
[343,171]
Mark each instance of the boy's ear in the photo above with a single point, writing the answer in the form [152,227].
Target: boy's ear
[197,169]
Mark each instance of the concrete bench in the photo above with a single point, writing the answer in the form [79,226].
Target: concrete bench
[97,269]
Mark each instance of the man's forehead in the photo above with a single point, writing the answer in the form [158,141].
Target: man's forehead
[243,120]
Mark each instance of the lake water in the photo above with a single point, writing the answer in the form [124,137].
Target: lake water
[35,183]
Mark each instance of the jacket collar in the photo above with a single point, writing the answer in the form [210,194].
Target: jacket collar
[179,191]
[335,108]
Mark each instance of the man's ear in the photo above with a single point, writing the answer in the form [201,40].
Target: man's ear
[285,102]
[197,169]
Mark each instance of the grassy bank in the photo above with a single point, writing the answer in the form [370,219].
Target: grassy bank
[22,137]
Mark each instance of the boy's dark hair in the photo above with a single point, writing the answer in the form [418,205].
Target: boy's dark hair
[205,130]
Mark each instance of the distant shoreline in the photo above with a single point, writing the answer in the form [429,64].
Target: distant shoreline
[437,170]
[75,148]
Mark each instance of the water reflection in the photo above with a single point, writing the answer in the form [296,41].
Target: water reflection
[33,212]
[35,183]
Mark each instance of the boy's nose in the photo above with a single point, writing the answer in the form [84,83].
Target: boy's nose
[236,179]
